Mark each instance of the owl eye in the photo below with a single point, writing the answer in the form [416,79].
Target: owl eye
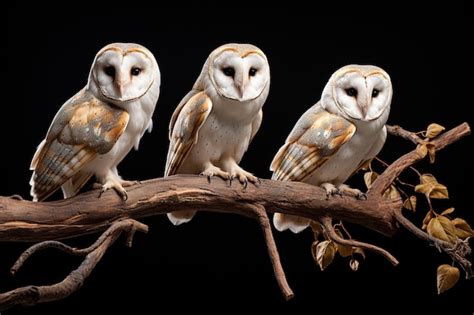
[229,71]
[252,72]
[135,71]
[351,92]
[375,92]
[110,71]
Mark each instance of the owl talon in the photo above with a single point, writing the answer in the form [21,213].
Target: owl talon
[361,196]
[331,190]
[128,183]
[115,185]
[353,192]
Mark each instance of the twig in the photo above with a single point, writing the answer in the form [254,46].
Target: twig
[331,233]
[262,217]
[30,295]
[456,251]
[400,132]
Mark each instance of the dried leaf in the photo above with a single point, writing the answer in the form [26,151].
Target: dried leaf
[431,152]
[354,264]
[462,228]
[428,179]
[343,250]
[448,228]
[313,250]
[433,130]
[446,278]
[422,150]
[317,229]
[410,203]
[430,215]
[439,191]
[360,251]
[424,188]
[435,229]
[325,252]
[391,193]
[447,211]
[369,178]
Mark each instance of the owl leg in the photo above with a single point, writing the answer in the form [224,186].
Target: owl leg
[236,172]
[113,181]
[125,183]
[354,192]
[210,170]
[331,190]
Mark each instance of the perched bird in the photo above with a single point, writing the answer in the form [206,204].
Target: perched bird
[337,136]
[95,129]
[213,124]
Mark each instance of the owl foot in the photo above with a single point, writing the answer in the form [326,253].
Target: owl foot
[331,190]
[212,170]
[128,183]
[244,177]
[354,192]
[115,185]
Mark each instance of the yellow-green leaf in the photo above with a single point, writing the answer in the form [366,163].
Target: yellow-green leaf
[435,229]
[325,252]
[447,211]
[431,152]
[410,203]
[446,278]
[433,130]
[439,191]
[422,150]
[354,264]
[462,228]
[391,193]
[427,219]
[369,178]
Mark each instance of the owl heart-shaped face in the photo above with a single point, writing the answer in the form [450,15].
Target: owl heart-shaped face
[361,93]
[123,74]
[239,74]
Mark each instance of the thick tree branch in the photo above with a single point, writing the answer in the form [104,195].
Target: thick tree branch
[31,295]
[22,220]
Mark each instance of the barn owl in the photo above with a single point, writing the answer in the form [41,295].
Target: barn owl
[337,136]
[213,124]
[95,129]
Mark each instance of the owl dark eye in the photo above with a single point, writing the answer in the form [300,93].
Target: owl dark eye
[351,92]
[110,71]
[252,72]
[229,71]
[375,92]
[135,71]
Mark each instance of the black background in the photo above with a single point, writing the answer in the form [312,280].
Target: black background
[219,262]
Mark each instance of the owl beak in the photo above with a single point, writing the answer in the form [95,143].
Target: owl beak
[120,84]
[241,85]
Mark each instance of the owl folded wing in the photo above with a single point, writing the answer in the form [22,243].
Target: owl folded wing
[83,128]
[316,137]
[185,124]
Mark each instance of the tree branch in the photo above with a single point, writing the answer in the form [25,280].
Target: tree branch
[22,220]
[31,295]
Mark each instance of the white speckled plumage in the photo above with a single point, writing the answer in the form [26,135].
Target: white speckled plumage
[336,136]
[213,125]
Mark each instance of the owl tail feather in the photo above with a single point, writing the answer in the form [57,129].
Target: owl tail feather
[284,222]
[180,217]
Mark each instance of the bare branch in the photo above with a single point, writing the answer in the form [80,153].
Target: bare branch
[331,233]
[39,294]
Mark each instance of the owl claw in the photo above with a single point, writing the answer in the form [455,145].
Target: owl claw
[361,196]
[331,190]
[115,185]
[128,183]
[352,192]
[215,171]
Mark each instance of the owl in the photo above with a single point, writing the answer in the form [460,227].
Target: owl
[95,129]
[337,136]
[214,124]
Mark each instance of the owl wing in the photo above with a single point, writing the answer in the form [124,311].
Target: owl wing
[83,128]
[317,136]
[186,122]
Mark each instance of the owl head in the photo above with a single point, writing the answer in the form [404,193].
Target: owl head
[358,93]
[123,72]
[238,72]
